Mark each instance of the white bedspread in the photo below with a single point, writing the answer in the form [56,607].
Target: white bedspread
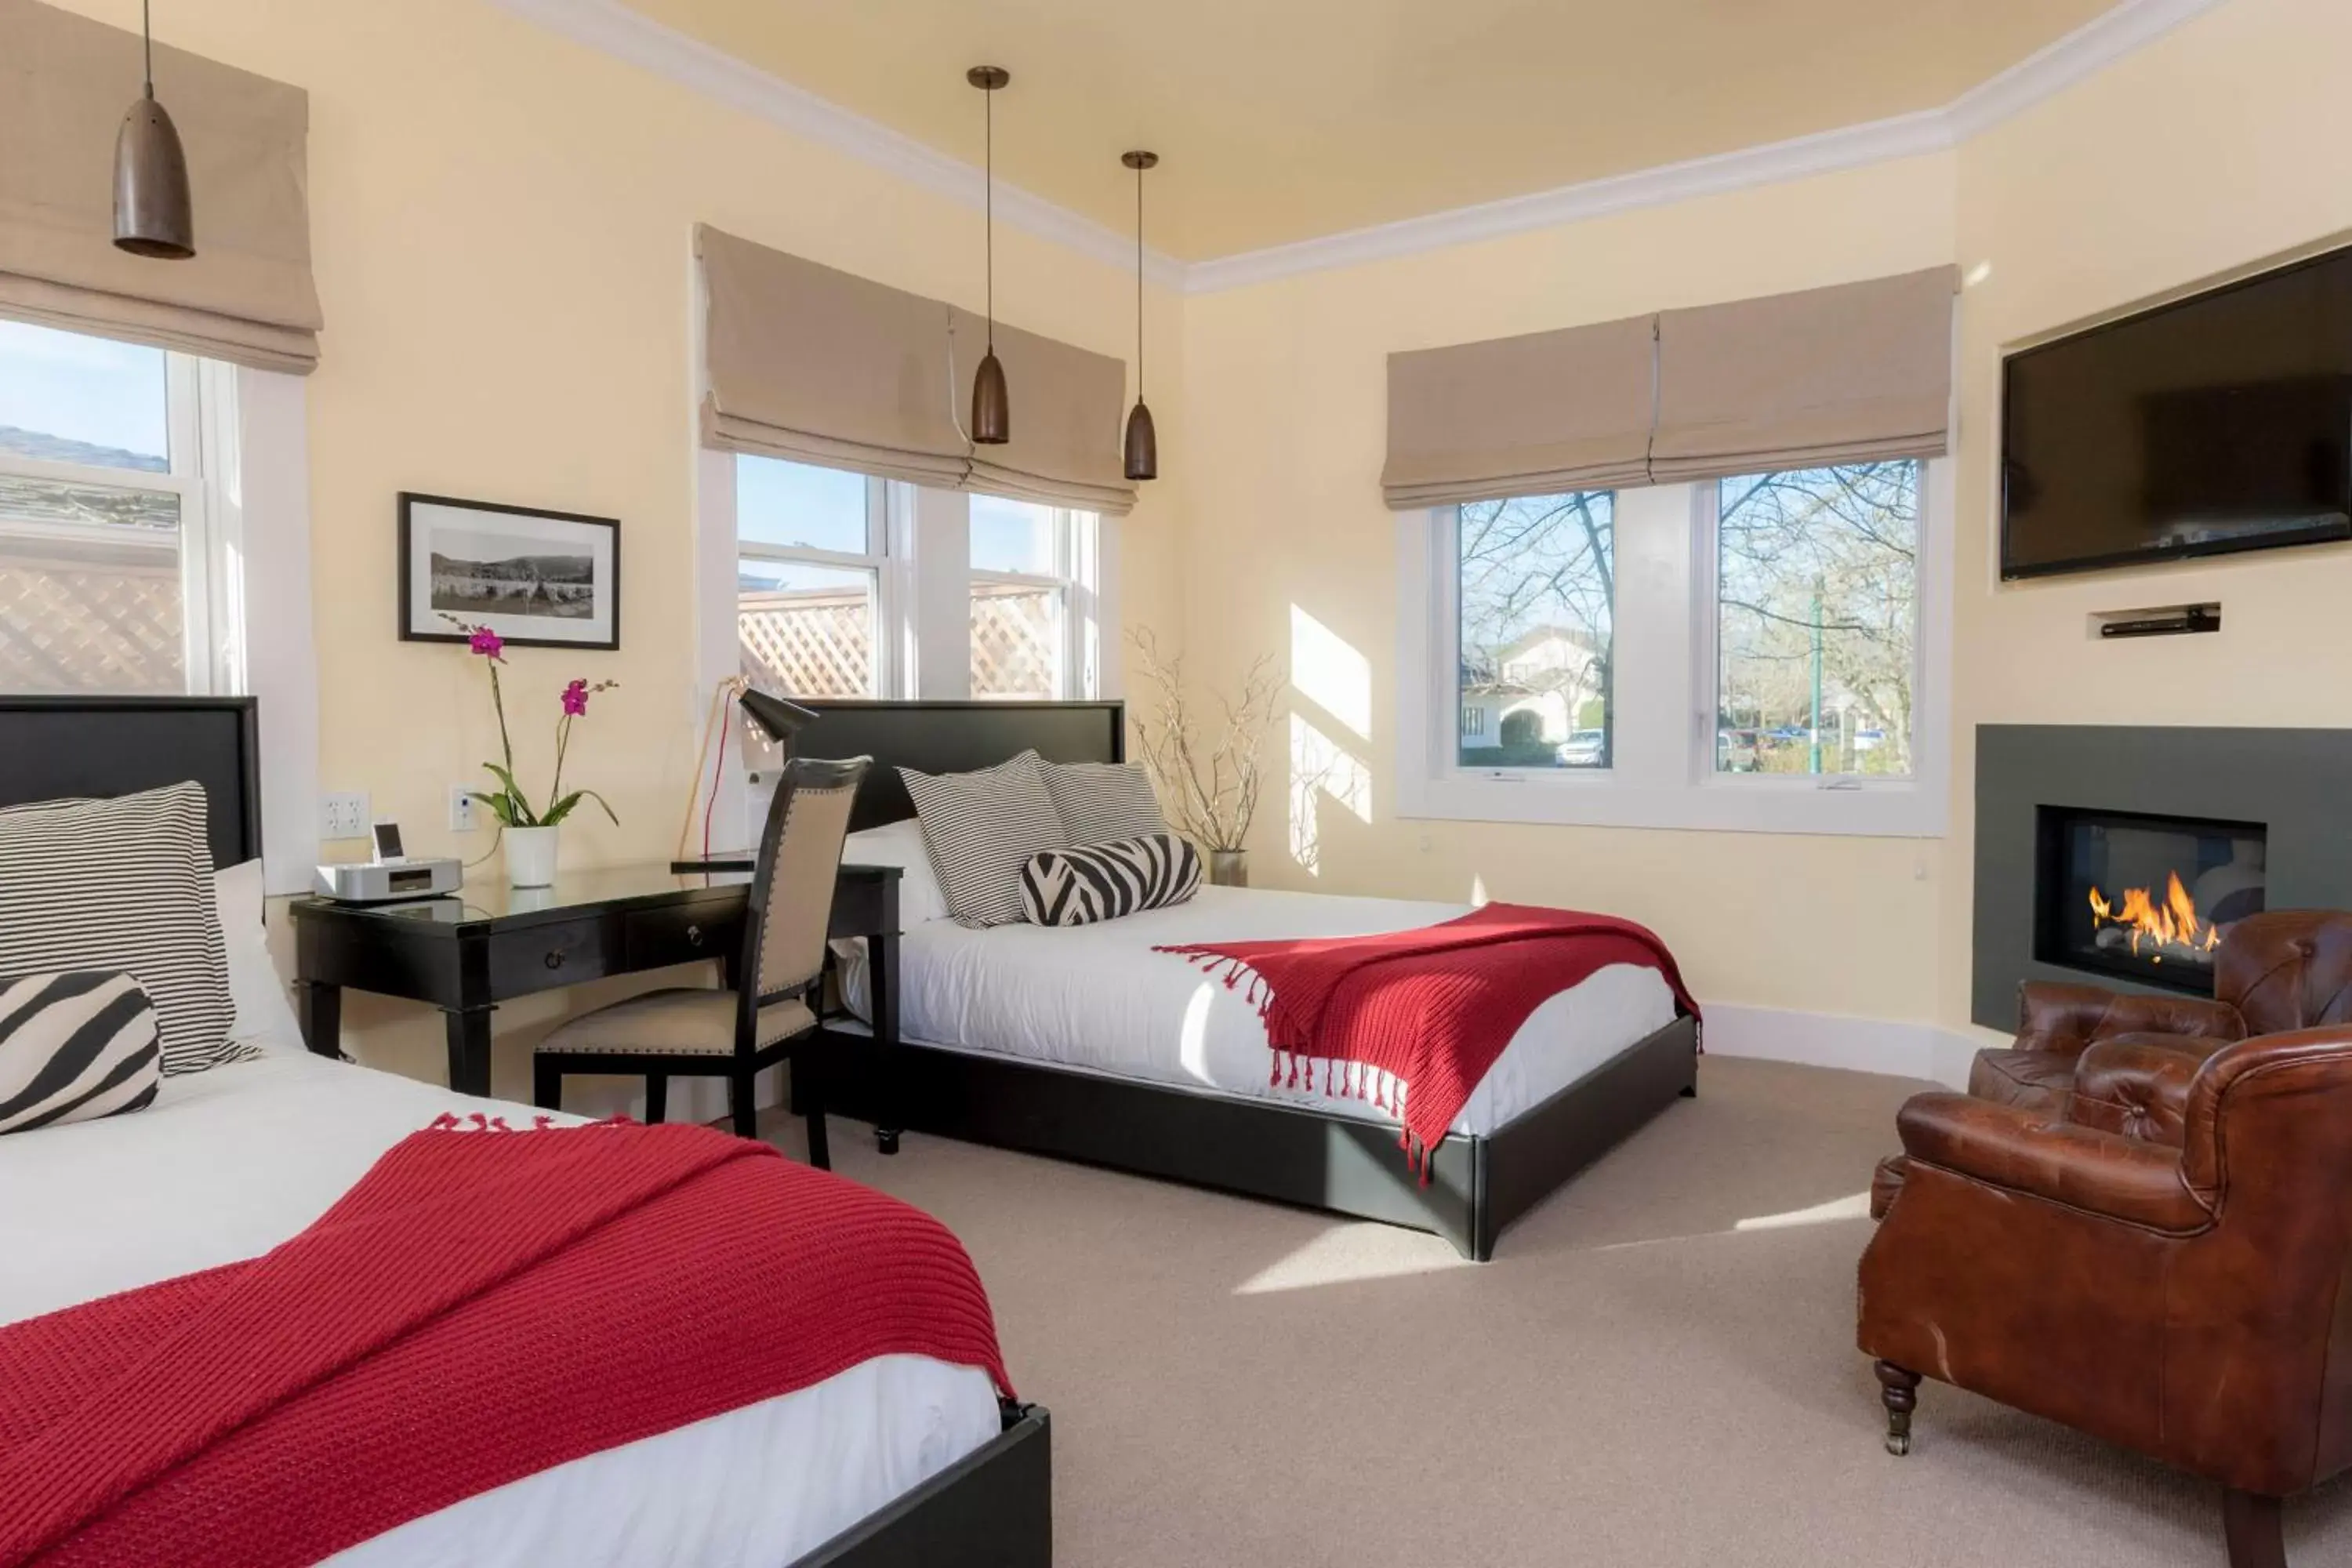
[1098,999]
[228,1163]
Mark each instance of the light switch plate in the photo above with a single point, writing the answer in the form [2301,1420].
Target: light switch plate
[344,815]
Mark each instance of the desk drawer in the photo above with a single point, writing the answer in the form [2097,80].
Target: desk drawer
[548,955]
[681,934]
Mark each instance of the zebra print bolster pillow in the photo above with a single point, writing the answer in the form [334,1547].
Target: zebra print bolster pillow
[1103,881]
[74,1048]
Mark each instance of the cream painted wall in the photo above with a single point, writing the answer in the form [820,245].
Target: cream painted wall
[1287,419]
[2227,142]
[502,224]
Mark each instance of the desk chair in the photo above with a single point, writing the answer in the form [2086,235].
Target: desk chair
[773,1008]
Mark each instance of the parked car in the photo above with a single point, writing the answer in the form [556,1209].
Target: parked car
[1735,750]
[1584,749]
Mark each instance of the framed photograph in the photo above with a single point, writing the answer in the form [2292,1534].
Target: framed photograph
[539,579]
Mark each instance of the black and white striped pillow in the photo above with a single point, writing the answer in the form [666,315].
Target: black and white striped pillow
[74,1048]
[124,886]
[1103,881]
[981,829]
[1102,801]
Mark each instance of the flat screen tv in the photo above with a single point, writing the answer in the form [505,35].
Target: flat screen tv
[2222,422]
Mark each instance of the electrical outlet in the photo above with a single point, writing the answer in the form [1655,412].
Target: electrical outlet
[343,816]
[461,808]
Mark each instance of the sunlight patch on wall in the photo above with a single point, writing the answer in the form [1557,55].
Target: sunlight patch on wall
[1352,1254]
[1321,768]
[1328,672]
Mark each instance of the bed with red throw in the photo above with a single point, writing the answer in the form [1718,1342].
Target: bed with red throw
[489,1341]
[1412,1020]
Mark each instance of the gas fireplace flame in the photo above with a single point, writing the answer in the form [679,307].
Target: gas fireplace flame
[2173,923]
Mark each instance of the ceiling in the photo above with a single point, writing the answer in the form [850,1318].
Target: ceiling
[1285,120]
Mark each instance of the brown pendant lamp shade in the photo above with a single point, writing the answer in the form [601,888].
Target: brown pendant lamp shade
[991,406]
[153,213]
[1142,448]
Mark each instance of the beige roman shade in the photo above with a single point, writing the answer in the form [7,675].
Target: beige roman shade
[1538,414]
[821,366]
[1860,373]
[246,295]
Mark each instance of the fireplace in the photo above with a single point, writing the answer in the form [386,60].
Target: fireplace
[2144,897]
[2121,855]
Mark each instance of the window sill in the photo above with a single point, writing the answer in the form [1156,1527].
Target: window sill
[1871,808]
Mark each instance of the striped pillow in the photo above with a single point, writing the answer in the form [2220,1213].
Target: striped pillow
[74,1048]
[1103,881]
[124,886]
[1102,801]
[981,829]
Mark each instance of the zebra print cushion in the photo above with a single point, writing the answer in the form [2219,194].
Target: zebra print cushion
[1102,801]
[981,829]
[124,886]
[1104,881]
[74,1048]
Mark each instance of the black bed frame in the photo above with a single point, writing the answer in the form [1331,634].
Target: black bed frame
[992,1509]
[1316,1160]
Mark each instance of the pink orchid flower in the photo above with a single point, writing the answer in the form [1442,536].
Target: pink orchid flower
[486,643]
[575,699]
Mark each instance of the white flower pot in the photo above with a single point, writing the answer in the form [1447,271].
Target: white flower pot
[531,856]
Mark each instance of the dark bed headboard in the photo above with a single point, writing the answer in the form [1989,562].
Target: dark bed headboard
[950,738]
[56,747]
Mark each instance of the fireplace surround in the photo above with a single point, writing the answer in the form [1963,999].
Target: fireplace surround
[2119,856]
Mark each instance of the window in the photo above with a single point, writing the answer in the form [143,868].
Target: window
[1817,626]
[1759,654]
[1025,584]
[811,546]
[1536,601]
[109,576]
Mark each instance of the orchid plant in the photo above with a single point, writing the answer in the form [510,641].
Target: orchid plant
[507,803]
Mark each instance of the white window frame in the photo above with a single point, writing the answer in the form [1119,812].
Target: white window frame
[884,531]
[1663,717]
[1074,575]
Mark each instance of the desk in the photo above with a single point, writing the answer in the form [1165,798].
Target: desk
[468,953]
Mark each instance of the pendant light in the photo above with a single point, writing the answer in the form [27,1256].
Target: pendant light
[992,407]
[1143,444]
[152,213]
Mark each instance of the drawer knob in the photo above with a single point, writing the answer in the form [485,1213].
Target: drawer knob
[555,960]
[694,936]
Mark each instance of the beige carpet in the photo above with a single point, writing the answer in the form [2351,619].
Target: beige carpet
[1657,1369]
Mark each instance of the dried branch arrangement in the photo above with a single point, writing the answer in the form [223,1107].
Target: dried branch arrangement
[1209,771]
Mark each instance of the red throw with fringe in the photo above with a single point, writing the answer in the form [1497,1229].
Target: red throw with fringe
[481,1306]
[1412,1020]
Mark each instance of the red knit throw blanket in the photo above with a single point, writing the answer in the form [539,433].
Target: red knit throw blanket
[481,1306]
[1412,1020]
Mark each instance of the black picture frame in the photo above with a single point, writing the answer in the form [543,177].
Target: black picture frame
[417,624]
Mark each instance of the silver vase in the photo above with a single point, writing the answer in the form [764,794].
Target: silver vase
[1229,867]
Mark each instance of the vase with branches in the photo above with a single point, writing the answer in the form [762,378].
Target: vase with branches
[1209,766]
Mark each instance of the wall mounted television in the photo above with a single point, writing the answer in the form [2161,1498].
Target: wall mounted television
[2222,422]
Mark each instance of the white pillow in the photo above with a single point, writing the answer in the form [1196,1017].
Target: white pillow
[265,1014]
[901,844]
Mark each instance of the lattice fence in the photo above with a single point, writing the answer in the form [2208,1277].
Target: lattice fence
[820,642]
[83,624]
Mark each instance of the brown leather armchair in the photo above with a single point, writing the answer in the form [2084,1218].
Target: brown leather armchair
[2186,1293]
[2286,969]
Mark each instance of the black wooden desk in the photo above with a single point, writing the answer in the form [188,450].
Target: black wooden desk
[467,954]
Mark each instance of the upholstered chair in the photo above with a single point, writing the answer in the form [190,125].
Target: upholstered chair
[2181,1293]
[773,1005]
[2286,969]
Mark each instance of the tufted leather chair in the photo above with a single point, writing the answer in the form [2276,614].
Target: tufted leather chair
[2286,969]
[2182,1293]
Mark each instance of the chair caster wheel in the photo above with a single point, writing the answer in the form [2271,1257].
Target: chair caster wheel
[885,1140]
[1899,1447]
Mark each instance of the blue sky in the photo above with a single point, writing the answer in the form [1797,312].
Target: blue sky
[83,388]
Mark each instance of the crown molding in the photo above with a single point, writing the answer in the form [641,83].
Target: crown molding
[614,29]
[635,39]
[2089,49]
